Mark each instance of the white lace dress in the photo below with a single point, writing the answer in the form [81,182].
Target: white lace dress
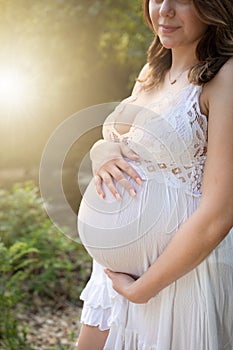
[196,311]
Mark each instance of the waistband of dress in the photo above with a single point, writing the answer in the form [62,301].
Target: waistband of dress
[151,169]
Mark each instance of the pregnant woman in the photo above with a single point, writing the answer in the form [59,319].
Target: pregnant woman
[157,217]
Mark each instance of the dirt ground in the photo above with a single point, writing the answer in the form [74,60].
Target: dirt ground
[50,328]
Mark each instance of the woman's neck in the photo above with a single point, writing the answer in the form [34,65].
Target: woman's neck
[183,58]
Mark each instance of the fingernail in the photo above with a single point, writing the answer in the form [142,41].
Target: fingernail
[132,192]
[139,181]
[102,195]
[118,197]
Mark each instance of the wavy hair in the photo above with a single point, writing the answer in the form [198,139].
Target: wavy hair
[213,50]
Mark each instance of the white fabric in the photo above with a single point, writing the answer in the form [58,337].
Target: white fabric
[196,311]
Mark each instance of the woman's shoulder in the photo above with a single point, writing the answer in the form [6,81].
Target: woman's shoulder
[221,86]
[222,80]
[144,71]
[142,76]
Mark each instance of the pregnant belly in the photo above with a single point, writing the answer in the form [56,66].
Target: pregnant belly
[128,235]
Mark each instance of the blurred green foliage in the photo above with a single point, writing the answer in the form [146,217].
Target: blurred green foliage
[36,261]
[14,270]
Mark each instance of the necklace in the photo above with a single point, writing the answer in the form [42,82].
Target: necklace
[173,81]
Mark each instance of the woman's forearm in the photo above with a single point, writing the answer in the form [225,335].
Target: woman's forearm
[192,243]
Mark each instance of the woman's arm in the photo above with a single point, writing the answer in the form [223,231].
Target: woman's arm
[213,219]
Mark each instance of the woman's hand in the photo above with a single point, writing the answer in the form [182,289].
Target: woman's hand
[125,285]
[108,163]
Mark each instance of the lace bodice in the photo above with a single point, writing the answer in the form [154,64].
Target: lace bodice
[170,136]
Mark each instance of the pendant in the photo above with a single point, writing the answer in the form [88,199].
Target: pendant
[173,82]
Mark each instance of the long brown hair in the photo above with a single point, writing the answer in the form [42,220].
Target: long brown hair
[212,51]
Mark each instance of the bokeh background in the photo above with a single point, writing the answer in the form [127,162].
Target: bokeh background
[57,57]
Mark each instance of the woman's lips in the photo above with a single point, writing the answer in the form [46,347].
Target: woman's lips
[167,29]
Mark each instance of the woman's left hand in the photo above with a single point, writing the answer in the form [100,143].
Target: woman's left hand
[124,285]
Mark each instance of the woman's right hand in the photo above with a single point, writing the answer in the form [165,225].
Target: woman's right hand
[108,164]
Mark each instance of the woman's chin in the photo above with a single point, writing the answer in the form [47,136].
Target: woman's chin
[168,45]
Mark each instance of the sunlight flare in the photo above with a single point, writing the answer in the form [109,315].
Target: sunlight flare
[15,88]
